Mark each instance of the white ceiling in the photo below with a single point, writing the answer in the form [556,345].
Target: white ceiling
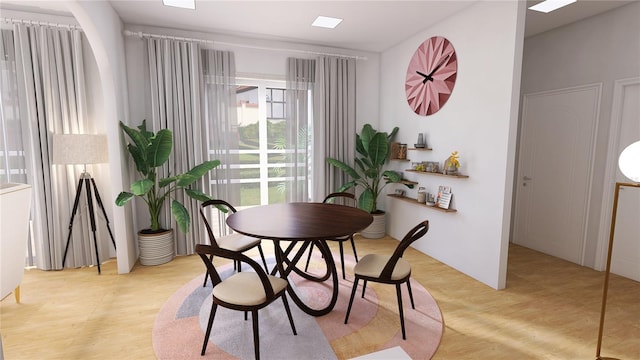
[368,25]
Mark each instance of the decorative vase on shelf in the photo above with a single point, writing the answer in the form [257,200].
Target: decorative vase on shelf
[420,144]
[452,164]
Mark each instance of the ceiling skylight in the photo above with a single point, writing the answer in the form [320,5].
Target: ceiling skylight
[185,4]
[550,5]
[326,22]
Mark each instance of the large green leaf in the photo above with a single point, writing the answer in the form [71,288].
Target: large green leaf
[139,157]
[393,133]
[123,198]
[144,132]
[139,140]
[160,148]
[181,215]
[344,167]
[366,201]
[347,186]
[368,132]
[197,172]
[360,147]
[391,176]
[166,181]
[378,149]
[141,187]
[198,195]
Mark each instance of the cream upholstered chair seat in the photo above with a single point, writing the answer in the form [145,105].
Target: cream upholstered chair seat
[372,265]
[245,289]
[237,242]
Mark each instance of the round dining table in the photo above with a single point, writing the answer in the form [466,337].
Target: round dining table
[301,223]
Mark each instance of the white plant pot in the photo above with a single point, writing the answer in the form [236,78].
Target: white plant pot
[377,229]
[156,249]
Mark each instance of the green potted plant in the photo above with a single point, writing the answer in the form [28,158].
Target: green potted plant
[150,152]
[372,149]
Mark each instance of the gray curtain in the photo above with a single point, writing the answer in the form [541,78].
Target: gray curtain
[300,81]
[220,105]
[175,89]
[51,88]
[334,121]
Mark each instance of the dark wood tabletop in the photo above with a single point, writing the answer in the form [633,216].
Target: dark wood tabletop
[300,224]
[299,221]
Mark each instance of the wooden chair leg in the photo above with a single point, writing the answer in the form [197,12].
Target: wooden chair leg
[206,274]
[410,293]
[286,307]
[399,293]
[212,314]
[364,286]
[342,260]
[353,246]
[256,334]
[353,294]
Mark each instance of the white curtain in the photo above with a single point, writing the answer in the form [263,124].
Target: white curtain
[334,121]
[12,161]
[49,73]
[222,119]
[175,90]
[300,81]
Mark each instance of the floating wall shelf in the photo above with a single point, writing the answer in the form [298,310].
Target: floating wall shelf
[437,174]
[415,202]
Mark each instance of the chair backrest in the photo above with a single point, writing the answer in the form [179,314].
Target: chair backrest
[205,252]
[340,198]
[220,205]
[414,234]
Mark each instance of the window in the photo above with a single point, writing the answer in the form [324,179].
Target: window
[258,158]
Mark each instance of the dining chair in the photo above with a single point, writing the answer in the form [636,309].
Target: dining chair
[233,242]
[247,291]
[388,269]
[341,198]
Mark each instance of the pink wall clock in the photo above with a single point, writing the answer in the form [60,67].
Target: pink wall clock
[431,75]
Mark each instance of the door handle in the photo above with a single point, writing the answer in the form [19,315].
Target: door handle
[526,178]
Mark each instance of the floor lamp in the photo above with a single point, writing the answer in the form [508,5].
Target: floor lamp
[629,164]
[83,149]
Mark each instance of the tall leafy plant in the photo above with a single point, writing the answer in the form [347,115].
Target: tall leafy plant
[150,152]
[372,149]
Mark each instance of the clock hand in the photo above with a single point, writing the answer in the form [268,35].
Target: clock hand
[439,65]
[426,77]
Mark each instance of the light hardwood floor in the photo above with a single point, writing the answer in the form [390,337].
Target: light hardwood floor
[550,310]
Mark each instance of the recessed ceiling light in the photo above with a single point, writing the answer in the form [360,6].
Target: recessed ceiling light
[185,4]
[326,22]
[550,5]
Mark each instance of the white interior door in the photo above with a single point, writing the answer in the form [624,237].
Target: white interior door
[625,260]
[554,171]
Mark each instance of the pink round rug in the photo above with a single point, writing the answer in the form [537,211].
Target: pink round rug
[374,323]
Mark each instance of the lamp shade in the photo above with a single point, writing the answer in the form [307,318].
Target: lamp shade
[629,161]
[80,149]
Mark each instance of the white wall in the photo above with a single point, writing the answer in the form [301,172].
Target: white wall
[103,28]
[600,49]
[479,120]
